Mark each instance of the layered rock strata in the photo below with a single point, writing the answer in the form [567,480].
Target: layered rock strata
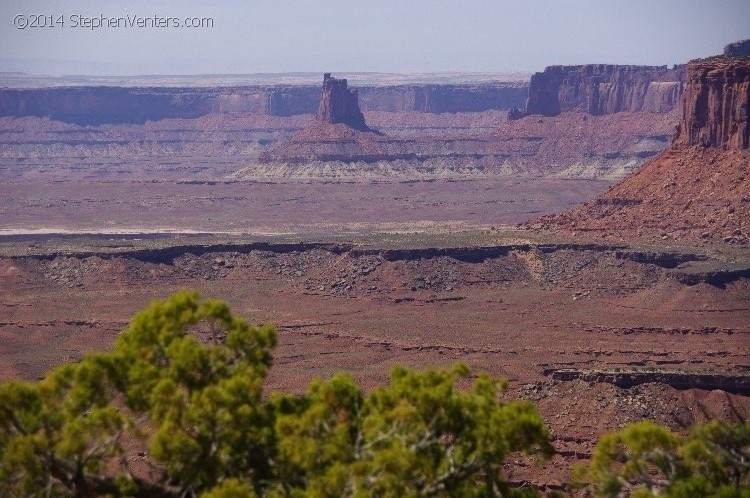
[716,103]
[129,105]
[604,89]
[699,187]
[443,98]
[572,145]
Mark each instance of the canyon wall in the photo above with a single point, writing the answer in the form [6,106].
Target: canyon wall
[599,89]
[290,101]
[122,105]
[716,103]
[695,189]
[443,98]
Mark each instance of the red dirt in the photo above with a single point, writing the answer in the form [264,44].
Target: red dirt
[699,188]
[684,193]
[513,315]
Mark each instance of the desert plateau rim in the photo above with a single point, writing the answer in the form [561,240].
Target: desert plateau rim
[582,230]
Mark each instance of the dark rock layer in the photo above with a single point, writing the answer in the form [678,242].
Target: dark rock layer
[735,384]
[443,98]
[126,105]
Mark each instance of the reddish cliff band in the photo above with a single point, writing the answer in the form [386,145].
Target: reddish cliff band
[698,188]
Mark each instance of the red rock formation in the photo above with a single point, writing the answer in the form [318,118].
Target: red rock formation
[572,145]
[716,103]
[604,89]
[339,104]
[339,131]
[700,186]
[684,193]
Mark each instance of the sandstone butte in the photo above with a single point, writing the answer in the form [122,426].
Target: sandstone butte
[697,188]
[599,89]
[340,104]
[338,132]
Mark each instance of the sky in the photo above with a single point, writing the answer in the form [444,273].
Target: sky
[405,36]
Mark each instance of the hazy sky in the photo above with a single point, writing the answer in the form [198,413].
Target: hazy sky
[377,35]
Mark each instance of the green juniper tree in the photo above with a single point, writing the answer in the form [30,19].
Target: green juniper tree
[417,436]
[197,410]
[647,460]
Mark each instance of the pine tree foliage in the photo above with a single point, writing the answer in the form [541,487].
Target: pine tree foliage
[177,409]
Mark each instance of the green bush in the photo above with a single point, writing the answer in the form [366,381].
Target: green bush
[194,414]
[198,410]
[646,460]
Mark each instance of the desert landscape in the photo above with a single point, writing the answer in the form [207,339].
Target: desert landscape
[582,231]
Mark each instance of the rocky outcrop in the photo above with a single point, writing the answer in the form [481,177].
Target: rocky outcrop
[738,49]
[135,105]
[339,104]
[582,146]
[716,103]
[599,89]
[699,188]
[339,132]
[515,113]
[735,384]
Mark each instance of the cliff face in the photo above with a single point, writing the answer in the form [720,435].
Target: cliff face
[697,188]
[599,89]
[443,98]
[339,104]
[103,104]
[290,101]
[716,103]
[123,105]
